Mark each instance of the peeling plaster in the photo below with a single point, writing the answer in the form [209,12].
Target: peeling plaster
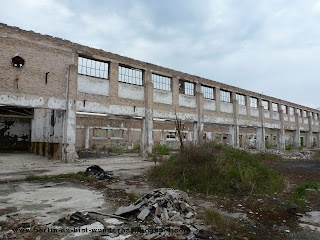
[92,85]
[187,101]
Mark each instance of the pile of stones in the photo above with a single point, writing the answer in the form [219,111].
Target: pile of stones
[162,206]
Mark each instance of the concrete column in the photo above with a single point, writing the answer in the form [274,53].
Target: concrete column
[217,98]
[281,131]
[69,130]
[296,138]
[114,80]
[310,132]
[147,121]
[232,133]
[87,137]
[261,132]
[270,109]
[175,92]
[235,121]
[198,129]
[248,106]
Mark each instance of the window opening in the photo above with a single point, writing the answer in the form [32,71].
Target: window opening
[225,96]
[161,82]
[130,75]
[275,107]
[93,68]
[241,99]
[284,108]
[186,87]
[265,104]
[207,92]
[253,102]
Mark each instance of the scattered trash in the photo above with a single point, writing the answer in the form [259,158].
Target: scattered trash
[98,172]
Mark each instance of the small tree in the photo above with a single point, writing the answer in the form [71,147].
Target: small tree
[179,133]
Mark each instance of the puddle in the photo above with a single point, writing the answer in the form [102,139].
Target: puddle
[47,202]
[310,221]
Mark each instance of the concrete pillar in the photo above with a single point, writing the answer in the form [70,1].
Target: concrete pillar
[235,121]
[232,133]
[114,80]
[87,137]
[281,131]
[198,126]
[175,92]
[296,138]
[147,121]
[270,109]
[217,98]
[261,132]
[310,132]
[248,105]
[69,134]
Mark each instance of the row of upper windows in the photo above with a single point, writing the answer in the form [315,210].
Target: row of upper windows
[130,75]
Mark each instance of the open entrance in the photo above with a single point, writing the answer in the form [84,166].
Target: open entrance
[15,128]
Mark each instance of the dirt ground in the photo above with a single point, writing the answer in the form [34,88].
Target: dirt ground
[266,217]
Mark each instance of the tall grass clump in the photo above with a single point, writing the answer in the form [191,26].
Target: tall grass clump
[216,169]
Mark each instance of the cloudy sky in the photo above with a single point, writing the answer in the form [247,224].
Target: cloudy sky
[267,46]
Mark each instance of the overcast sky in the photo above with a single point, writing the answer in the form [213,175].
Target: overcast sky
[267,46]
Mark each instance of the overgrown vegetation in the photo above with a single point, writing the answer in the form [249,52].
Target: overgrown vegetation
[316,156]
[116,150]
[69,176]
[300,193]
[289,147]
[230,228]
[136,148]
[160,150]
[216,169]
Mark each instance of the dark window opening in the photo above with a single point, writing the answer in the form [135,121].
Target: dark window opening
[17,61]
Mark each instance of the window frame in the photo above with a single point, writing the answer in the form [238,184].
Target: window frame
[225,96]
[240,100]
[205,91]
[81,65]
[157,83]
[131,79]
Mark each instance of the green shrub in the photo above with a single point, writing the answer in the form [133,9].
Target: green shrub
[299,193]
[289,147]
[160,150]
[136,148]
[94,146]
[216,169]
[116,150]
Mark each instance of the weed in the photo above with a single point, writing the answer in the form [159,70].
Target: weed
[136,148]
[134,196]
[94,146]
[103,148]
[116,150]
[267,145]
[216,169]
[289,147]
[299,193]
[160,150]
[212,217]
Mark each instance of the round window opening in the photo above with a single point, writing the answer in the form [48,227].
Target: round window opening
[17,61]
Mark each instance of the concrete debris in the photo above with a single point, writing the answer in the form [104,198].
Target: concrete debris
[163,206]
[287,154]
[76,218]
[97,171]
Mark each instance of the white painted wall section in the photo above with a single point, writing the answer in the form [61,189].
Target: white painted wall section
[254,112]
[130,91]
[226,107]
[92,85]
[209,105]
[161,96]
[187,101]
[242,110]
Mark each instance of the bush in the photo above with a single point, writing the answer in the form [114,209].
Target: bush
[116,150]
[299,193]
[216,169]
[289,147]
[160,150]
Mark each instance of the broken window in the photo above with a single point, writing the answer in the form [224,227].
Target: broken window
[225,96]
[291,109]
[284,108]
[130,75]
[186,87]
[117,133]
[310,114]
[93,68]
[207,92]
[304,113]
[299,112]
[265,105]
[316,116]
[275,107]
[100,133]
[253,102]
[241,99]
[17,61]
[161,82]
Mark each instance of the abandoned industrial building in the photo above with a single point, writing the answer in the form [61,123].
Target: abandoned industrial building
[57,96]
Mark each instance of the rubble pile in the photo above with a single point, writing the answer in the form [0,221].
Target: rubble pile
[287,154]
[98,172]
[162,206]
